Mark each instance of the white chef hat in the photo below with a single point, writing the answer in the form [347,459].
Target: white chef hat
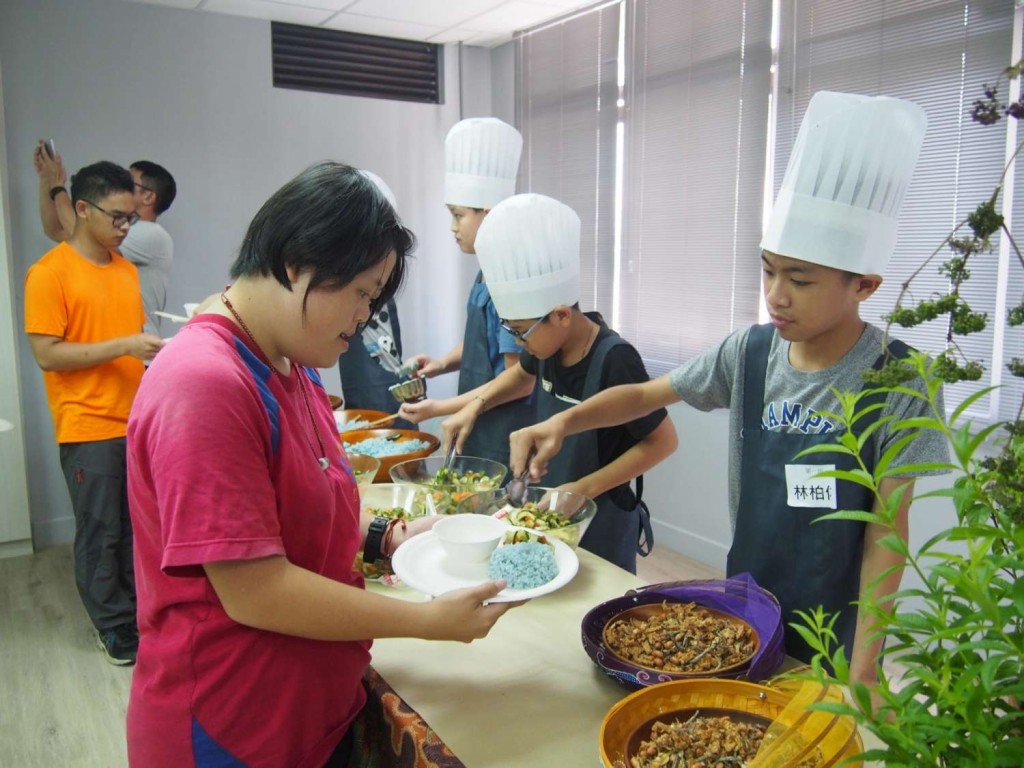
[383,187]
[528,247]
[481,158]
[851,165]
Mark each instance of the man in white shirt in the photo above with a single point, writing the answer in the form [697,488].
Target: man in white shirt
[148,245]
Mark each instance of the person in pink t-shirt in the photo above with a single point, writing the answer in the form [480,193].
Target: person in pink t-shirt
[254,629]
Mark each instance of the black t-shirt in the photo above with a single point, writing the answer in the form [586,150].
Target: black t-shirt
[622,365]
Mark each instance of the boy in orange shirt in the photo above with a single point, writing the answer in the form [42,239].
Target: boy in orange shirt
[83,317]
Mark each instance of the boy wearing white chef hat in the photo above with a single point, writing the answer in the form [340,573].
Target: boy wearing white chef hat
[830,236]
[481,161]
[529,251]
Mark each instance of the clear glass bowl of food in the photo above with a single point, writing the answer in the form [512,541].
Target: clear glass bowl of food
[465,476]
[365,468]
[562,514]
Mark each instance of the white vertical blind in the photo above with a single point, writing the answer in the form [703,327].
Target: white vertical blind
[697,101]
[695,116]
[566,111]
[937,53]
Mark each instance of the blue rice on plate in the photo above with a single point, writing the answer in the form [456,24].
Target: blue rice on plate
[523,566]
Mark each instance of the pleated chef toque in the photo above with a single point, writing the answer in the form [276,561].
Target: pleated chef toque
[850,168]
[481,159]
[529,251]
[383,187]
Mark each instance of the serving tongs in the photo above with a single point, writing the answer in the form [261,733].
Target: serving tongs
[517,487]
[450,454]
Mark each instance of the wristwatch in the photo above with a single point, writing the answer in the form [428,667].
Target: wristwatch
[54,191]
[374,537]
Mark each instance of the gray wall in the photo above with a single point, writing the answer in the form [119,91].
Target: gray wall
[124,81]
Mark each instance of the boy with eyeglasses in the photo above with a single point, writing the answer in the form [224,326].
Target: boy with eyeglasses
[529,253]
[83,317]
[148,245]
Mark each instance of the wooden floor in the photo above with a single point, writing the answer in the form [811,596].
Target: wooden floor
[61,703]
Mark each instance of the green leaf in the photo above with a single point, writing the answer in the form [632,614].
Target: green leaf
[892,451]
[826,448]
[967,402]
[861,517]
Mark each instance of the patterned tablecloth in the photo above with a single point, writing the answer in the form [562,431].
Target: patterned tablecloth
[391,734]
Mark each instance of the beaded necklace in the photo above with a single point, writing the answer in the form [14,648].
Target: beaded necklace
[322,458]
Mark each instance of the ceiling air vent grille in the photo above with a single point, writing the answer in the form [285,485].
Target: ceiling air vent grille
[332,61]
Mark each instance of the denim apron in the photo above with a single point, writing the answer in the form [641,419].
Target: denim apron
[803,564]
[616,534]
[489,438]
[364,380]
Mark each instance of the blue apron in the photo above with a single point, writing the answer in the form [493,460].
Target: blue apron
[803,564]
[616,534]
[364,379]
[489,438]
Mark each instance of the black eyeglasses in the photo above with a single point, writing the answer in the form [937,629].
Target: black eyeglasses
[117,219]
[524,335]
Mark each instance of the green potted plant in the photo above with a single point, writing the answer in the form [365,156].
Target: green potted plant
[958,638]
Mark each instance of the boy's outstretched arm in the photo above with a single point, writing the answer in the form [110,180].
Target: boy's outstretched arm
[613,406]
[656,446]
[511,384]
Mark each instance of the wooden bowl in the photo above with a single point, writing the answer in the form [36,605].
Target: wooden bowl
[669,701]
[642,732]
[403,436]
[652,610]
[335,401]
[360,415]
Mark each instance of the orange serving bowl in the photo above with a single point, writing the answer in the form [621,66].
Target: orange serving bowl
[350,418]
[399,437]
[630,720]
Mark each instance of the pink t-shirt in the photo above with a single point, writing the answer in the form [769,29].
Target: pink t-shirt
[222,465]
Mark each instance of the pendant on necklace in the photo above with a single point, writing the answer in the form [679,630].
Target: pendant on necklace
[324,463]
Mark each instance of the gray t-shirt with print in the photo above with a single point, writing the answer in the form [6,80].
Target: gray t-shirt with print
[795,400]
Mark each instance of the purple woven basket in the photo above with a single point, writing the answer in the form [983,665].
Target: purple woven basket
[738,596]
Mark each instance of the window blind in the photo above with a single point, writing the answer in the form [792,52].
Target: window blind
[566,111]
[696,105]
[937,54]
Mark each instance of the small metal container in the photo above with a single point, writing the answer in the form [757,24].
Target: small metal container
[410,391]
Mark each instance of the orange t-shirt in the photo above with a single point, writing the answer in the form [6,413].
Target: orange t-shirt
[70,297]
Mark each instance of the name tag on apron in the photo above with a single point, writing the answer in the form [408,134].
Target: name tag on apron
[803,489]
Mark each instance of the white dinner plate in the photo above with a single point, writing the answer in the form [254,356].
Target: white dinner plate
[422,563]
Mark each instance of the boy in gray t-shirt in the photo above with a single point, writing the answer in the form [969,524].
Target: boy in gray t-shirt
[830,236]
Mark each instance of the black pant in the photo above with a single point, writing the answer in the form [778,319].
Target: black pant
[97,481]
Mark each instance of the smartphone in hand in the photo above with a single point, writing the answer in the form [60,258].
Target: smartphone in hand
[51,149]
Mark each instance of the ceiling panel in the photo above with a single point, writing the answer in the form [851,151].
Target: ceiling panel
[440,13]
[511,16]
[264,9]
[329,5]
[385,27]
[486,23]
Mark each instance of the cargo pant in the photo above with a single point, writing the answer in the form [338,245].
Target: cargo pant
[97,481]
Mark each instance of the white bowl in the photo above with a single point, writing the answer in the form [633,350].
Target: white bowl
[469,538]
